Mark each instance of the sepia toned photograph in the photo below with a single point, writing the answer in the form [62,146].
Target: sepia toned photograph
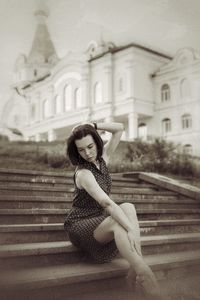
[100,150]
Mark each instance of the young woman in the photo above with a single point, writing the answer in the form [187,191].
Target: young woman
[96,224]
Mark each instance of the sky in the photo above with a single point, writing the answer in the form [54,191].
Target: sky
[162,25]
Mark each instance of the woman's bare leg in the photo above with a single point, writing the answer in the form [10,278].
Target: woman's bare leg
[105,232]
[130,212]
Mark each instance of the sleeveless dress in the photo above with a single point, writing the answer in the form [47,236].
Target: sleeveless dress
[86,214]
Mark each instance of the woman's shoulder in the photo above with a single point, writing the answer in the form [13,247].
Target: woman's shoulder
[82,171]
[81,174]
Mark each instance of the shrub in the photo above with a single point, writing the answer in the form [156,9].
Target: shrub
[183,165]
[160,156]
[57,161]
[4,138]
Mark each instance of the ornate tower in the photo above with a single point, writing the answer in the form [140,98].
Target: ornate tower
[41,58]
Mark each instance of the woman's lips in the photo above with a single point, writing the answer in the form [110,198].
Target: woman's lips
[89,158]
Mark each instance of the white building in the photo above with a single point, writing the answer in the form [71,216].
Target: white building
[151,93]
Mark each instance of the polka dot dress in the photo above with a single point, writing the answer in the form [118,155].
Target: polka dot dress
[86,214]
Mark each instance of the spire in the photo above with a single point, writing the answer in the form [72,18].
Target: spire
[42,50]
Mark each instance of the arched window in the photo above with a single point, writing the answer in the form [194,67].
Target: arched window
[166,125]
[187,149]
[78,98]
[68,97]
[185,88]
[46,109]
[98,93]
[16,120]
[165,92]
[186,121]
[142,131]
[58,105]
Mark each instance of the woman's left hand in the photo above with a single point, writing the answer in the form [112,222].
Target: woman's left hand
[133,243]
[131,239]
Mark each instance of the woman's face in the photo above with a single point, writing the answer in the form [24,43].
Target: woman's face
[87,148]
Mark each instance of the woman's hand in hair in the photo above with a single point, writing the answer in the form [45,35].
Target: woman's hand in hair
[77,126]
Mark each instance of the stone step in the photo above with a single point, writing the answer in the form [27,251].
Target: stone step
[54,178]
[63,252]
[29,216]
[68,197]
[83,281]
[163,203]
[57,175]
[24,175]
[34,202]
[35,233]
[16,189]
[17,178]
[32,233]
[162,227]
[61,182]
[69,194]
[162,195]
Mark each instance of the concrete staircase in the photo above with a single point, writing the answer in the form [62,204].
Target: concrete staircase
[37,261]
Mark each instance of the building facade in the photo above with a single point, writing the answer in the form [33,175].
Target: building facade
[152,94]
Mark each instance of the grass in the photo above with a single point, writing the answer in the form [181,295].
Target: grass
[33,156]
[138,156]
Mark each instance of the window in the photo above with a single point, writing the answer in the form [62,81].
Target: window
[186,121]
[98,93]
[165,92]
[68,97]
[46,109]
[166,125]
[120,85]
[185,88]
[78,98]
[142,131]
[58,105]
[187,149]
[16,120]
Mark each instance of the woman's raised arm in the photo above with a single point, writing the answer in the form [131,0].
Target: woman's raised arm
[116,129]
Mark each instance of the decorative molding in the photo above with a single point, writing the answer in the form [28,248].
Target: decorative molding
[183,57]
[95,49]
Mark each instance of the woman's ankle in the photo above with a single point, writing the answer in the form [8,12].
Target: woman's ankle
[148,282]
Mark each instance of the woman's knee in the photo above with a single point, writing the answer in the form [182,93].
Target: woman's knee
[104,231]
[128,208]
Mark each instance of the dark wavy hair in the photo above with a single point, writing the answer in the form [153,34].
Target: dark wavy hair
[78,133]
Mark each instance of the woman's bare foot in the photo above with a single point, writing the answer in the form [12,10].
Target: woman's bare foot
[149,285]
[131,278]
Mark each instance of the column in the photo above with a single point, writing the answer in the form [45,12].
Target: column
[89,90]
[108,81]
[38,137]
[41,109]
[51,99]
[130,79]
[29,120]
[132,126]
[38,116]
[85,86]
[51,135]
